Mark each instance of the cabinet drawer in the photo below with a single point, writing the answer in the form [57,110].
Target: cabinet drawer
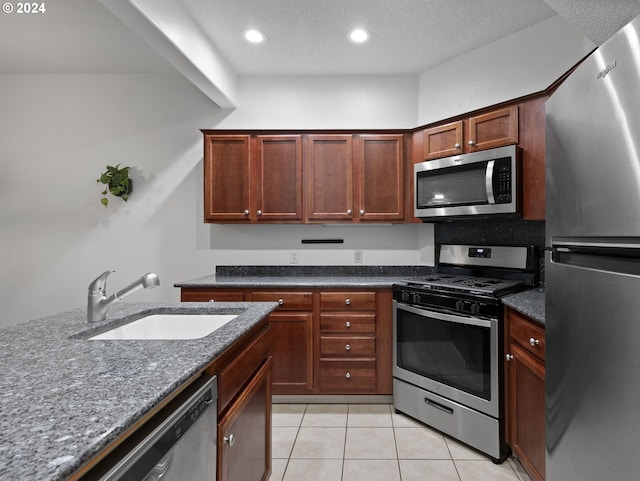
[527,334]
[348,323]
[209,295]
[236,374]
[287,300]
[346,376]
[347,346]
[347,300]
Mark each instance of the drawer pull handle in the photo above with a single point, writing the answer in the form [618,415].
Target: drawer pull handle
[509,357]
[281,301]
[533,342]
[348,375]
[230,440]
[347,301]
[347,347]
[439,406]
[347,324]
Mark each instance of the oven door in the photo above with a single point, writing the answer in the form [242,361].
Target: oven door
[452,355]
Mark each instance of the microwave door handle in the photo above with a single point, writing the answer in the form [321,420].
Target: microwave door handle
[489,182]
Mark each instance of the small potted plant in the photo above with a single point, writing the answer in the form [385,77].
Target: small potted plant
[116,181]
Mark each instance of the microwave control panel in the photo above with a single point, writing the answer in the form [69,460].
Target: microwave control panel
[502,181]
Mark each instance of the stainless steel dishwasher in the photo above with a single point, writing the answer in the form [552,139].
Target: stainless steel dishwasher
[182,447]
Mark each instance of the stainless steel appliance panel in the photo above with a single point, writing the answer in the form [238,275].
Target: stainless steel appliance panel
[472,382]
[592,369]
[593,144]
[183,446]
[481,432]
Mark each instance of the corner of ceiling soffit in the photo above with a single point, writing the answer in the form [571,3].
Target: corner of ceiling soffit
[162,23]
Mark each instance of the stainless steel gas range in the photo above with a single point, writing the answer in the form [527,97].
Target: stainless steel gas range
[448,342]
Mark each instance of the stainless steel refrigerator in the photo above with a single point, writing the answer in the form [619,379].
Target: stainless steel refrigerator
[593,267]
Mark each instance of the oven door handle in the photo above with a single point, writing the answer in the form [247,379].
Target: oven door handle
[461,319]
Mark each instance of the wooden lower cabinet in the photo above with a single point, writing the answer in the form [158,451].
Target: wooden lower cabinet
[324,341]
[244,432]
[525,390]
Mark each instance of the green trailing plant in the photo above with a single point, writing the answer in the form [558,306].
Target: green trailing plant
[117,183]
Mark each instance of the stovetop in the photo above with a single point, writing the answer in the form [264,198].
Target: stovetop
[465,284]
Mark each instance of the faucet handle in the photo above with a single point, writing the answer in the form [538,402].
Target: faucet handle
[99,284]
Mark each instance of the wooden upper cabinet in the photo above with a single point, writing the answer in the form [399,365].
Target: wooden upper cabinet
[493,129]
[329,177]
[485,131]
[253,178]
[443,141]
[279,178]
[380,164]
[226,178]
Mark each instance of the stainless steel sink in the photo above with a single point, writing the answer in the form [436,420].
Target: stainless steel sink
[167,326]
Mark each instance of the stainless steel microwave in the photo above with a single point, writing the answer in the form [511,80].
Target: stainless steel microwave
[476,184]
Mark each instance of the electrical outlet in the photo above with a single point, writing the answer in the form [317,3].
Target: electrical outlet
[293,257]
[357,256]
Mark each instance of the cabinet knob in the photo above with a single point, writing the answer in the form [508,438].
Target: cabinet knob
[212,300]
[348,375]
[347,347]
[246,212]
[229,440]
[347,324]
[361,211]
[349,212]
[457,146]
[259,212]
[509,357]
[471,143]
[347,301]
[533,342]
[280,301]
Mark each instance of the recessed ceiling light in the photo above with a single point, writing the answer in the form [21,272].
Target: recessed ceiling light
[358,35]
[254,36]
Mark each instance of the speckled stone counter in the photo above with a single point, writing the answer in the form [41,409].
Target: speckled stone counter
[530,303]
[63,398]
[306,276]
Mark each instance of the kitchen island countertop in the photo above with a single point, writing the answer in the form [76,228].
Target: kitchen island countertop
[64,399]
[530,303]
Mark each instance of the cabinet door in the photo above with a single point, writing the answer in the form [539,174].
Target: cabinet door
[532,141]
[226,178]
[380,173]
[279,178]
[244,433]
[292,353]
[526,410]
[443,141]
[329,175]
[493,129]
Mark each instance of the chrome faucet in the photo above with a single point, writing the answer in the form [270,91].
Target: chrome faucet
[98,302]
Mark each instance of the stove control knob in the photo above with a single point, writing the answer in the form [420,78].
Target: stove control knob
[416,298]
[475,308]
[459,306]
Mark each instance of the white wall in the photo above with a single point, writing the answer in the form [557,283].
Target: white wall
[526,62]
[57,133]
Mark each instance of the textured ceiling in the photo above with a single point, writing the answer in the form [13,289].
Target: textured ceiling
[309,37]
[597,19]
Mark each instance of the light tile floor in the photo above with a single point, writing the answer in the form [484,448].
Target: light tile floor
[370,442]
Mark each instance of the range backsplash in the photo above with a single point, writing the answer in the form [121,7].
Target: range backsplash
[491,231]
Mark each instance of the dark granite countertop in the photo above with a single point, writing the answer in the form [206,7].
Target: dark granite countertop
[530,303]
[306,276]
[63,399]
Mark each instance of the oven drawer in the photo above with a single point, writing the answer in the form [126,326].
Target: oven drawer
[347,346]
[348,323]
[348,300]
[344,376]
[527,334]
[301,301]
[458,421]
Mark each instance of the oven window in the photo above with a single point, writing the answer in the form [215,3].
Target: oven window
[451,353]
[452,186]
